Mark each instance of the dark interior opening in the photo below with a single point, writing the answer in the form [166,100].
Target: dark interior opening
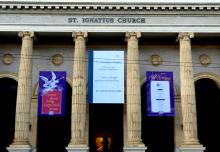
[54,132]
[8,95]
[106,127]
[157,132]
[207,104]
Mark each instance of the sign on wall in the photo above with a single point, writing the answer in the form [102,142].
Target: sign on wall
[106,76]
[52,92]
[160,94]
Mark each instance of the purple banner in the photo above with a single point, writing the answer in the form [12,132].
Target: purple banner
[52,93]
[160,93]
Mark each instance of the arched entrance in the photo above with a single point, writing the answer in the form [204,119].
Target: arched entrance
[54,132]
[106,127]
[157,132]
[207,104]
[8,94]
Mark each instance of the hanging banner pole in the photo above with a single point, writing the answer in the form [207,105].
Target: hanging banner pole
[160,94]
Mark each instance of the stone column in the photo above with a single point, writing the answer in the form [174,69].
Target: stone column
[188,100]
[134,141]
[78,125]
[22,118]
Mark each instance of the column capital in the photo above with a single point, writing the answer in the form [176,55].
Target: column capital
[84,35]
[26,33]
[185,36]
[135,35]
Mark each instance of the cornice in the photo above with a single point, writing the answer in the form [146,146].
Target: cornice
[110,6]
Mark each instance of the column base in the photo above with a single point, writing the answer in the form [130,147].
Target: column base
[19,148]
[77,148]
[191,148]
[134,149]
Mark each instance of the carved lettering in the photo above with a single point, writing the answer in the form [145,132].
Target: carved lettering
[106,20]
[131,20]
[72,20]
[98,20]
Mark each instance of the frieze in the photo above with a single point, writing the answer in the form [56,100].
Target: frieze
[108,23]
[72,20]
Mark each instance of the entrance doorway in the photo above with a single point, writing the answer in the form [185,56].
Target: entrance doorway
[54,132]
[106,127]
[8,94]
[157,132]
[207,104]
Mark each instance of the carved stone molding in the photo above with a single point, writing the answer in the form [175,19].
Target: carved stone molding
[204,60]
[57,59]
[132,35]
[208,75]
[103,6]
[82,34]
[7,59]
[11,75]
[26,33]
[185,36]
[156,60]
[129,34]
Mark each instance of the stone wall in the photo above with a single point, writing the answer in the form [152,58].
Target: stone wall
[169,55]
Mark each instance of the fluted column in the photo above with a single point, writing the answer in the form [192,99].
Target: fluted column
[33,122]
[188,100]
[133,91]
[24,90]
[79,92]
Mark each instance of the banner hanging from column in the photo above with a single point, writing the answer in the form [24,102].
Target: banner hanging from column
[160,94]
[106,76]
[52,93]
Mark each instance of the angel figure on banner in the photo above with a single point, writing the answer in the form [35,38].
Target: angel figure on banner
[50,85]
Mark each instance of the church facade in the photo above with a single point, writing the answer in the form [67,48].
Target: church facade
[52,35]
